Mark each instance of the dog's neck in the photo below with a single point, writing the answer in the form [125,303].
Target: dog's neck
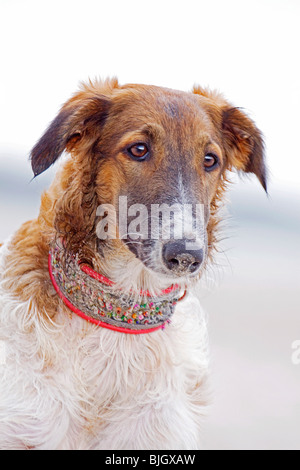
[96,298]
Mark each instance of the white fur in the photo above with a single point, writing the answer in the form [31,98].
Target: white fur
[67,384]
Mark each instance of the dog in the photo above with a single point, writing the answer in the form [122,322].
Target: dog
[105,340]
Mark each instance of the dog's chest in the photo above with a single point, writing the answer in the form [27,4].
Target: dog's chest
[88,387]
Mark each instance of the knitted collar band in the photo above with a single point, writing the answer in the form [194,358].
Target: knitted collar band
[95,298]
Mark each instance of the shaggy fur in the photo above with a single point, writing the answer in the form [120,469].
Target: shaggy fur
[68,384]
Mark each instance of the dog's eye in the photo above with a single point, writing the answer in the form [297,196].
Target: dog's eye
[138,151]
[211,161]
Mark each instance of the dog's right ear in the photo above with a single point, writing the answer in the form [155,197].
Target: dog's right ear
[68,128]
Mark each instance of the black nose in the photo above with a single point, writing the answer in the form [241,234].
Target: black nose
[180,260]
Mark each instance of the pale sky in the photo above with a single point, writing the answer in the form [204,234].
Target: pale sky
[248,49]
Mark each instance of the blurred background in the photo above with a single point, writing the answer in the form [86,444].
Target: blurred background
[249,50]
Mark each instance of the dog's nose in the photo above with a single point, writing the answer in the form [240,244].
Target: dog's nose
[180,260]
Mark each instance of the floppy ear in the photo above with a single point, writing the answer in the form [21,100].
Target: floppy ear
[244,144]
[69,126]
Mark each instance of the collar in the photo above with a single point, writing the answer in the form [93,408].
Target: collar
[96,299]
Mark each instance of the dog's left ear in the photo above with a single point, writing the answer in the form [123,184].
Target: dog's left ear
[242,140]
[244,144]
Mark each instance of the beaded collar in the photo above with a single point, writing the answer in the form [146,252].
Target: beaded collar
[96,299]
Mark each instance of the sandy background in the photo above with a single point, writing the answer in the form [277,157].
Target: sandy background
[254,318]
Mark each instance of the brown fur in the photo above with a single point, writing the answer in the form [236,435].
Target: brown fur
[95,126]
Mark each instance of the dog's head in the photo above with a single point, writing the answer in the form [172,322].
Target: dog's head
[147,170]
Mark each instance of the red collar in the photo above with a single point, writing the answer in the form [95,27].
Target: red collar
[94,298]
